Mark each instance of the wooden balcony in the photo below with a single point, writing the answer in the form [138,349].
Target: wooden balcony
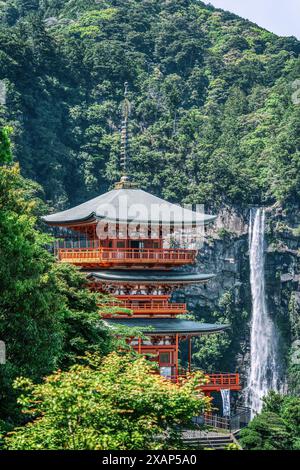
[216,382]
[151,308]
[219,382]
[108,257]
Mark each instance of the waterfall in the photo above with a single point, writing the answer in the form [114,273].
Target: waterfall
[264,361]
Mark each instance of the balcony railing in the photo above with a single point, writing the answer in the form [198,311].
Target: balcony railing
[222,381]
[151,308]
[216,382]
[126,256]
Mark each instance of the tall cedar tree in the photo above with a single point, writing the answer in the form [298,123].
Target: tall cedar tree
[47,315]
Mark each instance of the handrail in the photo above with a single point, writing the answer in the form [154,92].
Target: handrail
[216,421]
[223,379]
[143,297]
[126,255]
[131,252]
[213,380]
[150,305]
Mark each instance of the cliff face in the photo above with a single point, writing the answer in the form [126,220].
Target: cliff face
[283,285]
[228,297]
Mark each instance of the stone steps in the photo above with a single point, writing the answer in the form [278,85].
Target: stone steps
[212,440]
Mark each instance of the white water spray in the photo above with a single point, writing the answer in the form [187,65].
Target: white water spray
[264,360]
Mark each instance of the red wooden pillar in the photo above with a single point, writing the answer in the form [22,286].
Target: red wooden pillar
[176,355]
[190,353]
[140,346]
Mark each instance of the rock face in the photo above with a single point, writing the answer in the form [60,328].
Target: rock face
[283,285]
[228,296]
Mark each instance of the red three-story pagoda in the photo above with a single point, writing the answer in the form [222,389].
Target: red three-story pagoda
[123,241]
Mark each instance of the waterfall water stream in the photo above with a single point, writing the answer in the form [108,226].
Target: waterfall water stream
[264,361]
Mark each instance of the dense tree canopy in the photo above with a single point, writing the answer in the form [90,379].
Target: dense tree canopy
[277,427]
[5,150]
[213,117]
[115,403]
[47,316]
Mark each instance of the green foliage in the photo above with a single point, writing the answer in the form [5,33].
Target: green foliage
[5,151]
[277,427]
[223,233]
[232,446]
[47,316]
[218,352]
[30,311]
[115,403]
[83,329]
[267,431]
[213,119]
[294,377]
[273,402]
[209,351]
[89,24]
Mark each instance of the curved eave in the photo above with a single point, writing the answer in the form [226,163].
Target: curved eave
[168,326]
[50,220]
[207,219]
[149,277]
[53,220]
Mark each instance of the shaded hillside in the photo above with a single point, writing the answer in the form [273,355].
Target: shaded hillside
[213,118]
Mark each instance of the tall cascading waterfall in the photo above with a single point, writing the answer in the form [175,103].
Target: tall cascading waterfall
[264,358]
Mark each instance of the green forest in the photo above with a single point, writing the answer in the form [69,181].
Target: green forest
[212,117]
[215,120]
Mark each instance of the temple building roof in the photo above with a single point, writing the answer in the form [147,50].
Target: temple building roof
[149,276]
[169,326]
[129,205]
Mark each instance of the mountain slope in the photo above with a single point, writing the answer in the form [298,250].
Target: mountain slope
[212,121]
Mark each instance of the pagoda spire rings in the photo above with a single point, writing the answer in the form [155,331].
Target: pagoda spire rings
[125,182]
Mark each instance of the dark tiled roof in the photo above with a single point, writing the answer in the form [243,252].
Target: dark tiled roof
[148,276]
[166,325]
[127,205]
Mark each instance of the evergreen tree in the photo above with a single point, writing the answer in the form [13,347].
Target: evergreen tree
[5,151]
[47,316]
[118,403]
[277,427]
[213,118]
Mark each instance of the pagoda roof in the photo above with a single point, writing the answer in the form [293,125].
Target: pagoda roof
[128,205]
[168,325]
[149,276]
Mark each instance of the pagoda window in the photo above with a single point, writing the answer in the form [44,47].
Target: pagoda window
[120,244]
[164,358]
